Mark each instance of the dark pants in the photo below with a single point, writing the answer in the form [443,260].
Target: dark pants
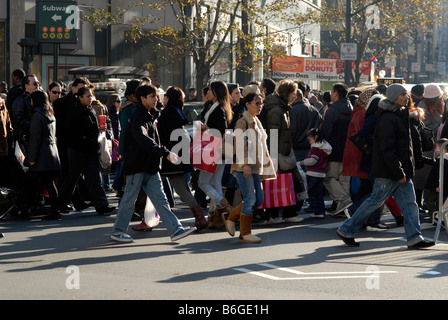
[78,197]
[81,162]
[315,194]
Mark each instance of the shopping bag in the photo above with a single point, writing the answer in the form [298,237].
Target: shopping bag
[105,153]
[152,218]
[20,156]
[279,192]
[302,195]
[204,152]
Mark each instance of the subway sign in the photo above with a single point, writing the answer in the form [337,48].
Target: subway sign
[57,21]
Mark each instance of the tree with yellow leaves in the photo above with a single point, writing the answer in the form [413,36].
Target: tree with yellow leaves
[379,26]
[207,30]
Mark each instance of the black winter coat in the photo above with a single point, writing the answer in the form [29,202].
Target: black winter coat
[62,107]
[42,146]
[83,129]
[304,117]
[22,111]
[142,149]
[393,156]
[172,118]
[335,126]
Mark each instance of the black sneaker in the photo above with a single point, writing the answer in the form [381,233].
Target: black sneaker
[348,241]
[422,244]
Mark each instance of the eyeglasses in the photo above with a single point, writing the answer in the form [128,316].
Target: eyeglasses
[56,92]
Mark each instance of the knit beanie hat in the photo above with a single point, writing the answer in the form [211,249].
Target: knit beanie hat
[394,91]
[432,90]
[364,97]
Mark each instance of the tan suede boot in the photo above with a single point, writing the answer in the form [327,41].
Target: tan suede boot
[231,218]
[246,229]
[225,204]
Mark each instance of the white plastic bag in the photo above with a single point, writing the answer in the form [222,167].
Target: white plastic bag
[20,156]
[302,195]
[152,218]
[105,154]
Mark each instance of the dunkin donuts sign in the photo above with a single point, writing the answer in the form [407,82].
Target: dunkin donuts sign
[313,69]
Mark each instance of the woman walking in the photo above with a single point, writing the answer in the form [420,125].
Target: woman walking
[252,165]
[82,138]
[218,117]
[172,118]
[43,153]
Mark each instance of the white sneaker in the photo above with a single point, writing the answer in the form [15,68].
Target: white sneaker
[317,216]
[121,237]
[183,233]
[293,219]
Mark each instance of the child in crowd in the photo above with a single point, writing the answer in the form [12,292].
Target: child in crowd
[316,163]
[432,182]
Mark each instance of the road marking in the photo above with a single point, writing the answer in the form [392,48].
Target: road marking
[312,275]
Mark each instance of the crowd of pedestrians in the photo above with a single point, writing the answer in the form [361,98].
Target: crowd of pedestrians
[365,150]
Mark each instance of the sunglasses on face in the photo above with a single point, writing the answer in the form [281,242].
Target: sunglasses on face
[56,92]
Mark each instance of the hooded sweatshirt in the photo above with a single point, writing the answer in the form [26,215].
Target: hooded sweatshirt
[317,159]
[392,156]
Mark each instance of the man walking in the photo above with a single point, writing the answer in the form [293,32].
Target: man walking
[334,129]
[142,160]
[393,167]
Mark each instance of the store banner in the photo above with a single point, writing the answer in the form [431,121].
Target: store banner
[314,69]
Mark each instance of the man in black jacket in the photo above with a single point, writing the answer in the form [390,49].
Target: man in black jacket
[142,160]
[334,129]
[22,110]
[393,168]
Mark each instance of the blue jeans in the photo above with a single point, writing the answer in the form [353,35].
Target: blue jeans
[211,184]
[315,194]
[404,194]
[152,185]
[251,189]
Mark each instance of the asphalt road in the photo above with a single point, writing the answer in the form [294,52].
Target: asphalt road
[74,259]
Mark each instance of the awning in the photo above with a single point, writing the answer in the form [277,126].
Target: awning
[110,71]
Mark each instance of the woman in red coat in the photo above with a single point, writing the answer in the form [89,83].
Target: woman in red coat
[352,155]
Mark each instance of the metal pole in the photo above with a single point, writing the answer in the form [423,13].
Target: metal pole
[441,213]
[56,62]
[348,35]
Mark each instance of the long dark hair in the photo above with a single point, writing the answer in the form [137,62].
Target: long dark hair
[40,100]
[175,97]
[221,92]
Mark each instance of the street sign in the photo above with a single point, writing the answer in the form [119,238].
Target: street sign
[349,51]
[57,21]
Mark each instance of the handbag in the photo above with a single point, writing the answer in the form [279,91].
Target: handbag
[279,192]
[362,144]
[427,139]
[204,152]
[287,163]
[304,194]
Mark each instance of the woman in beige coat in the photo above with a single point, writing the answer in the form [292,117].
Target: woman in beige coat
[252,164]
